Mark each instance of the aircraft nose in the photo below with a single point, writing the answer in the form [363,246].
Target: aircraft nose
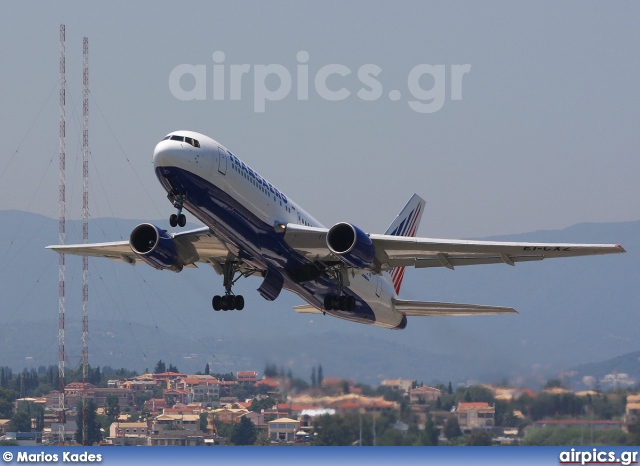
[164,155]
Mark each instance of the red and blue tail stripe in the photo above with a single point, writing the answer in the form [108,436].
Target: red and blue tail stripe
[406,224]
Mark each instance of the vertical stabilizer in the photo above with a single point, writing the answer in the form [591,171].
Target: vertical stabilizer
[405,224]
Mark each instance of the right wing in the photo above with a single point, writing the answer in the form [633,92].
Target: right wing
[193,246]
[419,308]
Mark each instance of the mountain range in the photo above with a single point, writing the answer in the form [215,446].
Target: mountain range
[572,312]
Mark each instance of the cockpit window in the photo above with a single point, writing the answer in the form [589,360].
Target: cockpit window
[166,137]
[187,139]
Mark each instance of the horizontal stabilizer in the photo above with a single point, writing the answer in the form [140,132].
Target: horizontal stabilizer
[420,308]
[307,309]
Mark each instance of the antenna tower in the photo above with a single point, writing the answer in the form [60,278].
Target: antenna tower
[62,238]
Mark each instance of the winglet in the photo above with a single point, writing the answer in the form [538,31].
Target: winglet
[405,224]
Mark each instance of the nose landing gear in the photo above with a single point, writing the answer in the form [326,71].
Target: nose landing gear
[178,219]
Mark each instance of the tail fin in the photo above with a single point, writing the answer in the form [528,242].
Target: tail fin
[405,224]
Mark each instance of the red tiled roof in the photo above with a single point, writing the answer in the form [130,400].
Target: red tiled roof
[476,404]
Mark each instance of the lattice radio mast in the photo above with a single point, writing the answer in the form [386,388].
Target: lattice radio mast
[62,237]
[85,229]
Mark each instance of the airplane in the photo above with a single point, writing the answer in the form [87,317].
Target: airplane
[252,228]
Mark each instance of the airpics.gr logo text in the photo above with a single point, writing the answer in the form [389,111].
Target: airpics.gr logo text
[426,83]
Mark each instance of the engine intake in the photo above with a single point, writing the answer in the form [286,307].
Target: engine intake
[352,245]
[154,246]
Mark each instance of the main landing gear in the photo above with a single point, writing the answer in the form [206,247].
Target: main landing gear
[230,302]
[339,301]
[178,219]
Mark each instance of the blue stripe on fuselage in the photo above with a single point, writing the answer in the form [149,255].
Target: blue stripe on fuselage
[257,242]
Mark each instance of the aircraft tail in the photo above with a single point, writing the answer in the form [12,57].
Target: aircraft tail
[405,224]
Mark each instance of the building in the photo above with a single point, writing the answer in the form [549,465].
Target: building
[283,430]
[632,411]
[25,439]
[398,384]
[424,394]
[128,433]
[183,438]
[247,378]
[477,415]
[187,422]
[582,423]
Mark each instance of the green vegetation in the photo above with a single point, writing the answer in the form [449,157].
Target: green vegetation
[556,436]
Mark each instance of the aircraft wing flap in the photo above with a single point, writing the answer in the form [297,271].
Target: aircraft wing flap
[307,309]
[421,308]
[310,242]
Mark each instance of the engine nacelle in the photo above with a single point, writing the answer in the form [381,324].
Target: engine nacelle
[352,245]
[155,247]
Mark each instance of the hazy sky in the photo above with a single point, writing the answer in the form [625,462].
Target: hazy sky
[541,133]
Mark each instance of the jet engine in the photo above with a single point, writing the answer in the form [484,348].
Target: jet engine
[155,247]
[352,245]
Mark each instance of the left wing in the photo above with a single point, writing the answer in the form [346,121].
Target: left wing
[403,251]
[193,246]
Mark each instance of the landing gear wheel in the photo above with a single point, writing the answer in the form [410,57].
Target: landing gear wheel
[342,303]
[216,302]
[351,303]
[225,303]
[173,220]
[239,302]
[182,220]
[328,302]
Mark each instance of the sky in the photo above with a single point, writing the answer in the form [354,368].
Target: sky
[533,107]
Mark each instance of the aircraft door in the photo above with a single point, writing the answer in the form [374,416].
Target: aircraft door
[222,161]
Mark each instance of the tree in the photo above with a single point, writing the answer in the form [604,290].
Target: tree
[160,368]
[207,369]
[270,370]
[449,389]
[320,375]
[314,382]
[88,410]
[112,407]
[479,438]
[204,417]
[451,428]
[430,435]
[172,368]
[20,422]
[244,432]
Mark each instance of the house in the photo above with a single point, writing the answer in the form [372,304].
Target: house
[53,400]
[632,411]
[201,388]
[247,377]
[258,420]
[3,426]
[155,404]
[128,433]
[424,394]
[475,415]
[398,384]
[190,422]
[165,378]
[184,438]
[126,396]
[283,430]
[139,386]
